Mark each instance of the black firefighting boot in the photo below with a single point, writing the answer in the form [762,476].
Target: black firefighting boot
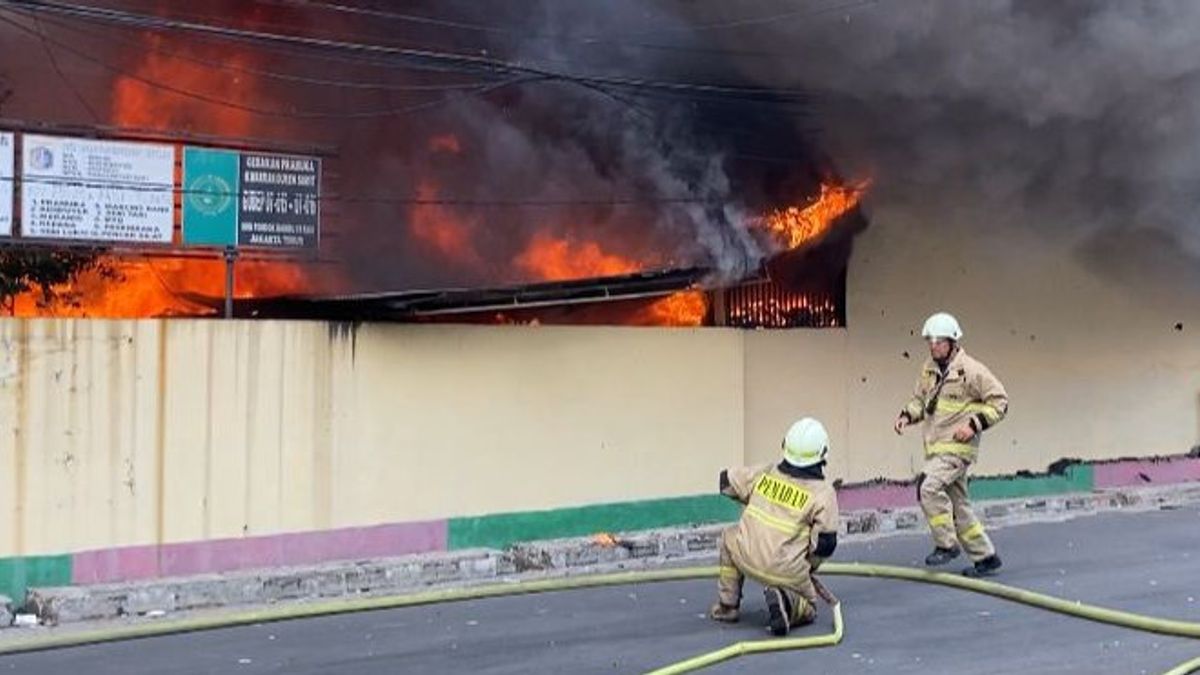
[779,611]
[941,556]
[987,567]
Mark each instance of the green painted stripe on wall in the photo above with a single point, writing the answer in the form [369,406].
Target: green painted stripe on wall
[497,531]
[500,530]
[1076,478]
[19,574]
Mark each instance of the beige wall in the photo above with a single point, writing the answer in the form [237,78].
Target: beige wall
[248,428]
[79,403]
[793,373]
[123,433]
[129,433]
[528,418]
[1093,364]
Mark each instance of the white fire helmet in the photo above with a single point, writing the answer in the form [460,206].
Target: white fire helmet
[942,326]
[806,443]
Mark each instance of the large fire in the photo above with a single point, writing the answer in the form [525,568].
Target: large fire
[160,287]
[555,259]
[142,287]
[138,104]
[550,258]
[137,287]
[441,229]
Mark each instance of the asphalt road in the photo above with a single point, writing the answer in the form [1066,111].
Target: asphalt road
[1145,562]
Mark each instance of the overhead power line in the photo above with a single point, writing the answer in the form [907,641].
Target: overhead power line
[584,38]
[258,110]
[457,62]
[368,198]
[338,83]
[62,77]
[467,87]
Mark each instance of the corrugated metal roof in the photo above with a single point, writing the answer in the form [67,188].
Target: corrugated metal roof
[407,305]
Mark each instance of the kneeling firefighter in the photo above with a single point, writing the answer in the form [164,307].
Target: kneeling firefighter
[789,526]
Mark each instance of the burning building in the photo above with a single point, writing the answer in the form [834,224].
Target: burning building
[581,284]
[500,192]
[1027,173]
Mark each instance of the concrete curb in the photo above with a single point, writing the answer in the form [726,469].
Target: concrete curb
[564,557]
[1000,513]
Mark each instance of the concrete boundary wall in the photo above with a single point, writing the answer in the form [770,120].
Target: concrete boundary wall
[138,449]
[139,563]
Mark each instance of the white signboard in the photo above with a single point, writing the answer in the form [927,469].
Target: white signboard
[7,162]
[76,188]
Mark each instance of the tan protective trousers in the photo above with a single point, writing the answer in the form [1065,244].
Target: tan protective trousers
[943,494]
[731,580]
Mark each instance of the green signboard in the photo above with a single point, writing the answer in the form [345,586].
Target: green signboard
[210,197]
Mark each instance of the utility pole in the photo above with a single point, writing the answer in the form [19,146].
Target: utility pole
[231,255]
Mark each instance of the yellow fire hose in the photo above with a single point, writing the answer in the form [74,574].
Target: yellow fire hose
[1185,668]
[1123,619]
[772,645]
[757,647]
[1114,617]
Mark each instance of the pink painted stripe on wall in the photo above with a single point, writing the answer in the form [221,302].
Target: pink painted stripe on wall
[225,555]
[1136,472]
[877,497]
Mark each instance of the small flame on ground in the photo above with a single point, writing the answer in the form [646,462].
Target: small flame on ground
[605,539]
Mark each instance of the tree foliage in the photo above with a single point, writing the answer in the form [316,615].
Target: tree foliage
[48,272]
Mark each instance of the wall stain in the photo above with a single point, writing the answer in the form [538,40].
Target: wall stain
[343,331]
[160,443]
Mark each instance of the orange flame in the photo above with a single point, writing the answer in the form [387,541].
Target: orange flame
[148,288]
[139,104]
[552,259]
[682,309]
[441,229]
[797,225]
[686,308]
[155,288]
[764,308]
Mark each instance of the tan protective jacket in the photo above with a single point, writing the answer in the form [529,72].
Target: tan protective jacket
[967,393]
[780,524]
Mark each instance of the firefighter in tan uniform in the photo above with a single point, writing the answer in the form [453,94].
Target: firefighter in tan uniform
[957,399]
[789,526]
